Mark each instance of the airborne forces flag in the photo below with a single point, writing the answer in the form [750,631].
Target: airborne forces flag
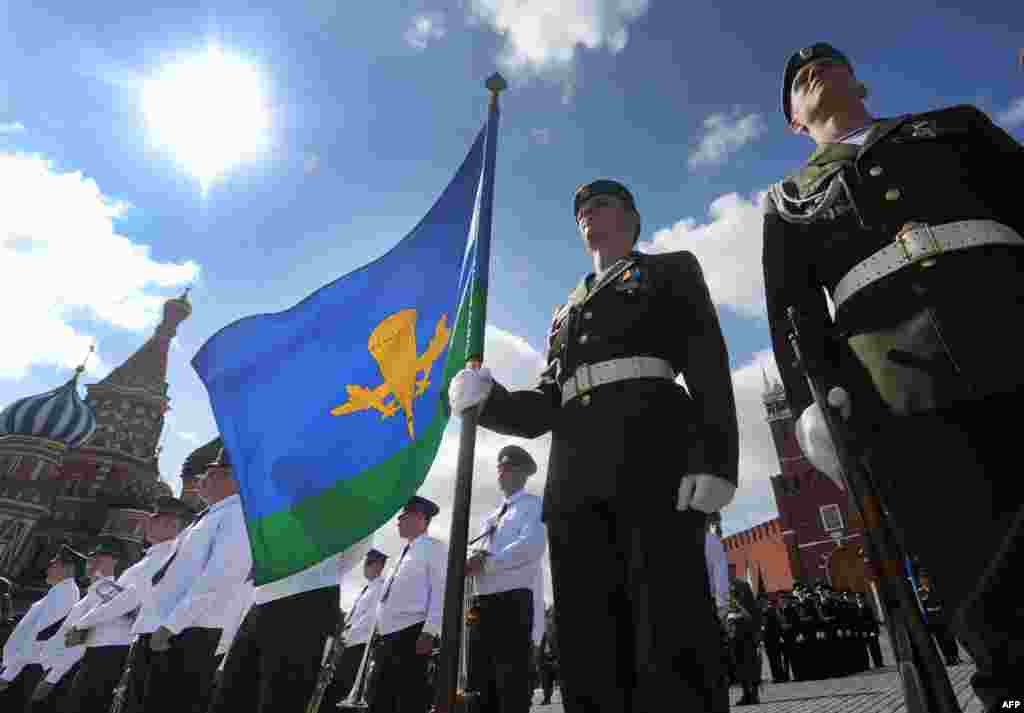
[333,410]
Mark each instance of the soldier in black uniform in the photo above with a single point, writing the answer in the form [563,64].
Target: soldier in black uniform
[935,616]
[807,645]
[547,657]
[870,627]
[914,228]
[788,621]
[609,397]
[772,637]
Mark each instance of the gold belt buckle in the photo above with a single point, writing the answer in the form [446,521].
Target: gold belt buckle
[928,258]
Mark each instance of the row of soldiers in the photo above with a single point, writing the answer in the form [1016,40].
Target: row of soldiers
[185,629]
[820,634]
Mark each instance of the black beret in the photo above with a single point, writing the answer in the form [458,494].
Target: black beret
[602,187]
[172,506]
[198,460]
[376,555]
[223,459]
[517,457]
[801,59]
[68,556]
[422,505]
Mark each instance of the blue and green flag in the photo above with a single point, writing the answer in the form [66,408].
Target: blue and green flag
[333,410]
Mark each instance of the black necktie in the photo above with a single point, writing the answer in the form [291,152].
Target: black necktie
[497,523]
[163,570]
[391,581]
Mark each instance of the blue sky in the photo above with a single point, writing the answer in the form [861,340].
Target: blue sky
[371,109]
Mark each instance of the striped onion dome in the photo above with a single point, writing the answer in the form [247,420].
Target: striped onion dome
[58,415]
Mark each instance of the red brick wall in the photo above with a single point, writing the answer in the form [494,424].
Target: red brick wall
[763,546]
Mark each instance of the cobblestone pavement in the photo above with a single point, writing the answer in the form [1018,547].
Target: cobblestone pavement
[876,691]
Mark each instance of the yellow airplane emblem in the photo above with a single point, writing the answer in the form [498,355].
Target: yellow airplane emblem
[393,346]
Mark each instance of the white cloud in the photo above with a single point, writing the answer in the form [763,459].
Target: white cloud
[54,225]
[542,36]
[424,28]
[14,127]
[728,247]
[190,437]
[541,136]
[724,135]
[1014,115]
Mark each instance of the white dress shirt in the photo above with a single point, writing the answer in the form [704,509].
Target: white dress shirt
[364,612]
[515,548]
[111,621]
[718,569]
[417,591]
[211,562]
[55,654]
[21,648]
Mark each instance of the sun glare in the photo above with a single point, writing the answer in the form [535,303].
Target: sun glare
[210,111]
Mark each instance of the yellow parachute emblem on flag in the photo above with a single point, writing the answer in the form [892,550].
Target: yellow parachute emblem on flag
[392,344]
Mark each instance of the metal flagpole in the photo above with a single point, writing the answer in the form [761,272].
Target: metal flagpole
[446,695]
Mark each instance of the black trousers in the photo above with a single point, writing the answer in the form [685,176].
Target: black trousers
[16,696]
[92,689]
[548,674]
[401,677]
[502,649]
[875,649]
[345,676]
[276,656]
[774,654]
[636,623]
[178,680]
[58,698]
[958,474]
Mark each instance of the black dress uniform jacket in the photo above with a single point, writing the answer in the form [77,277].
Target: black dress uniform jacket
[600,443]
[938,167]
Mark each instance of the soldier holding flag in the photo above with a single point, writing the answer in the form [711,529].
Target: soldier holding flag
[620,538]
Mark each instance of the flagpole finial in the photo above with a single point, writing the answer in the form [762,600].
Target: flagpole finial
[496,84]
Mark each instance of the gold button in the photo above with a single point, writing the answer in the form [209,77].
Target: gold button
[583,338]
[585,399]
[588,314]
[875,171]
[892,194]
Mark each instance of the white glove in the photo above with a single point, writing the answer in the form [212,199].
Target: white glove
[469,387]
[814,439]
[707,493]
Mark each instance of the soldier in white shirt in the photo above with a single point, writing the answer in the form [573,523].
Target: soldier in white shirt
[718,578]
[106,628]
[22,671]
[62,654]
[358,628]
[275,659]
[718,564]
[192,595]
[507,570]
[409,614]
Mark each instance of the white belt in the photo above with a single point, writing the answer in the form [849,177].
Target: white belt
[918,243]
[590,376]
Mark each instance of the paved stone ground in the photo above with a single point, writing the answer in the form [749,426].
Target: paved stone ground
[875,691]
